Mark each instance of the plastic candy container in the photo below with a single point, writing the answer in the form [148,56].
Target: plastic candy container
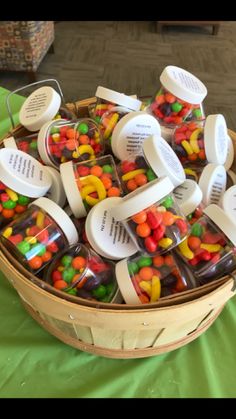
[144,279]
[202,143]
[158,160]
[175,100]
[88,183]
[79,271]
[189,198]
[210,247]
[60,141]
[28,144]
[107,99]
[22,179]
[152,217]
[37,235]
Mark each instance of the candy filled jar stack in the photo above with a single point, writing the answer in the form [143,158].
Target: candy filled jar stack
[128,204]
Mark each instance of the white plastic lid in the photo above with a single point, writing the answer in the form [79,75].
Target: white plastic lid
[232,176]
[42,141]
[10,142]
[163,159]
[229,203]
[188,196]
[131,131]
[41,106]
[60,217]
[142,198]
[125,284]
[230,154]
[23,173]
[223,221]
[56,193]
[216,139]
[107,236]
[72,191]
[183,84]
[118,98]
[212,183]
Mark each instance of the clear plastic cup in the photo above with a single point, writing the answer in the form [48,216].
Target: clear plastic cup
[144,279]
[152,217]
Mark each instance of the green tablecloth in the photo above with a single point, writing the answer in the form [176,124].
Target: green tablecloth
[35,364]
[15,103]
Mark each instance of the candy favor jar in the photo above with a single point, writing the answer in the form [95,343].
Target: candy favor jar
[201,143]
[189,198]
[23,179]
[144,279]
[107,99]
[157,160]
[28,144]
[152,217]
[60,141]
[79,271]
[210,248]
[37,235]
[89,182]
[175,100]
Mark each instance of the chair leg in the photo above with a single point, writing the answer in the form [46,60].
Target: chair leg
[32,76]
[215,29]
[51,49]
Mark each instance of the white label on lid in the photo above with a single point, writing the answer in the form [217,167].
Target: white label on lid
[24,166]
[170,158]
[187,80]
[36,104]
[217,189]
[222,139]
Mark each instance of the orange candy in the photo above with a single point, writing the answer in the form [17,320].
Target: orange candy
[131,185]
[78,262]
[202,155]
[107,182]
[169,261]
[140,217]
[114,191]
[193,157]
[194,242]
[96,171]
[158,261]
[83,139]
[72,134]
[35,263]
[59,285]
[71,144]
[146,273]
[143,230]
[46,256]
[168,218]
[20,208]
[140,179]
[8,213]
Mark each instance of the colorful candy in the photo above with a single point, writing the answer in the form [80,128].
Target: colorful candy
[35,238]
[28,144]
[135,173]
[208,248]
[11,204]
[79,271]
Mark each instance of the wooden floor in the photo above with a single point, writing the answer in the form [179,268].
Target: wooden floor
[129,57]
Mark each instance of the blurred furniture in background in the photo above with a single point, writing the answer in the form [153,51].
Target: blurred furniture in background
[215,24]
[23,45]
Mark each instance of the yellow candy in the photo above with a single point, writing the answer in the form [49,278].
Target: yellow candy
[132,174]
[146,286]
[61,268]
[85,148]
[7,233]
[165,243]
[63,159]
[185,250]
[92,201]
[31,239]
[12,195]
[101,107]
[191,173]
[113,121]
[185,144]
[56,137]
[156,289]
[40,219]
[212,248]
[97,183]
[75,155]
[193,140]
[86,190]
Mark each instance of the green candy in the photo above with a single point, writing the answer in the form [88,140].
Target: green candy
[197,113]
[168,202]
[110,288]
[23,200]
[100,292]
[189,217]
[54,130]
[144,261]
[105,299]
[66,260]
[72,291]
[132,268]
[176,107]
[9,204]
[83,128]
[150,175]
[107,168]
[68,274]
[34,145]
[197,230]
[40,249]
[23,247]
[97,119]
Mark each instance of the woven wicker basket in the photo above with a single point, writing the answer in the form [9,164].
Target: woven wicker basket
[119,330]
